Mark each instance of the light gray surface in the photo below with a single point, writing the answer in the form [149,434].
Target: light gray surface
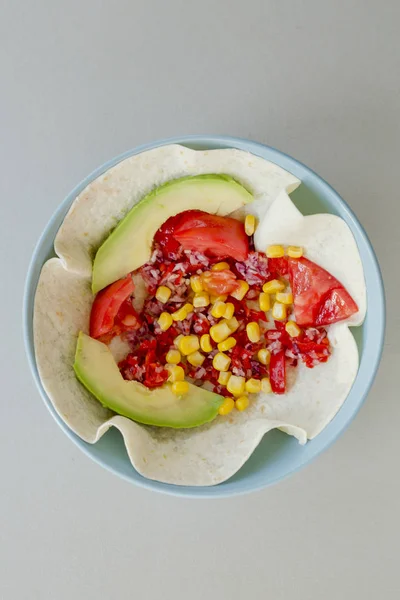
[83,81]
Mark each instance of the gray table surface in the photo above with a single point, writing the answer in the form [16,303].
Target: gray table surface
[85,80]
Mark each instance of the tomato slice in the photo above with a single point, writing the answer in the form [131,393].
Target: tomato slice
[219,282]
[277,372]
[319,298]
[107,304]
[216,236]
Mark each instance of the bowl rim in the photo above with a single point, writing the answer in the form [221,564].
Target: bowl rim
[285,161]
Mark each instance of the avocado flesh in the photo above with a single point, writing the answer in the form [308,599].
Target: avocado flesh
[129,245]
[97,370]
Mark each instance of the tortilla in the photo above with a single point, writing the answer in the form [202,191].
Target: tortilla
[212,453]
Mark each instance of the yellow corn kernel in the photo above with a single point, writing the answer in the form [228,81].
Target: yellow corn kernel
[224,377]
[264,301]
[275,251]
[180,387]
[264,356]
[250,224]
[178,339]
[163,294]
[226,407]
[295,251]
[201,299]
[253,386]
[188,307]
[220,332]
[226,345]
[279,311]
[241,290]
[292,329]
[229,310]
[236,385]
[284,297]
[253,332]
[176,373]
[218,309]
[221,362]
[214,299]
[189,344]
[181,314]
[165,321]
[221,266]
[242,403]
[173,357]
[196,284]
[266,385]
[273,286]
[233,323]
[205,342]
[196,359]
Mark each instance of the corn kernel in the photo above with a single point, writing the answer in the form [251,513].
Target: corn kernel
[266,385]
[221,362]
[196,359]
[271,287]
[218,309]
[242,403]
[253,332]
[241,290]
[264,301]
[264,356]
[221,266]
[224,377]
[165,321]
[226,407]
[196,284]
[205,343]
[189,344]
[226,345]
[220,332]
[292,329]
[201,299]
[233,323]
[253,386]
[180,387]
[275,251]
[176,373]
[178,339]
[173,357]
[163,294]
[236,385]
[295,251]
[279,311]
[229,310]
[180,315]
[188,307]
[214,299]
[284,297]
[250,224]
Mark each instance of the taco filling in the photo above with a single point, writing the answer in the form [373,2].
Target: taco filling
[219,314]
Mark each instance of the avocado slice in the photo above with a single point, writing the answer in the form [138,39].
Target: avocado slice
[129,245]
[97,370]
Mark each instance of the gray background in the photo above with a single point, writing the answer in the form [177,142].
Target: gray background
[85,80]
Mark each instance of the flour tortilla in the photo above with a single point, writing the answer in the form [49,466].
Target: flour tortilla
[211,453]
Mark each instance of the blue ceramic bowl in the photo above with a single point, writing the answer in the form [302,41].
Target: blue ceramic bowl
[278,455]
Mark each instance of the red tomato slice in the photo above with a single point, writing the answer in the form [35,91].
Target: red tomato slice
[277,372]
[319,298]
[107,304]
[216,236]
[219,283]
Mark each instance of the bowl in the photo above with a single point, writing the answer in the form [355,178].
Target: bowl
[278,454]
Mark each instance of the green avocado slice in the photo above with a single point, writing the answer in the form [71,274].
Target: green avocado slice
[129,245]
[97,370]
